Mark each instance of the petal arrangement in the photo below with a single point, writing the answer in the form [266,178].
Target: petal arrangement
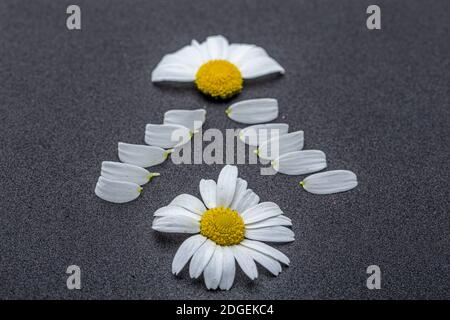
[217,68]
[121,182]
[274,142]
[229,224]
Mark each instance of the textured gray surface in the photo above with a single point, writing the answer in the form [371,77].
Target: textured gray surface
[375,102]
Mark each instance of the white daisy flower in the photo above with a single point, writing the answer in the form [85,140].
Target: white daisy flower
[330,182]
[217,67]
[229,224]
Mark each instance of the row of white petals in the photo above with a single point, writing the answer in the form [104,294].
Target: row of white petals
[121,182]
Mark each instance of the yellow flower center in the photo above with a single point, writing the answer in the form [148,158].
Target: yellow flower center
[222,225]
[219,79]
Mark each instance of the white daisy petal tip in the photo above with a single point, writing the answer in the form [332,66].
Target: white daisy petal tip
[277,146]
[329,182]
[126,172]
[191,119]
[257,134]
[253,111]
[117,191]
[166,135]
[300,162]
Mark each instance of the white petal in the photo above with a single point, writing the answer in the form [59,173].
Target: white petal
[330,182]
[217,47]
[142,155]
[244,53]
[253,110]
[189,202]
[262,211]
[275,147]
[259,133]
[300,162]
[213,270]
[173,72]
[125,172]
[249,199]
[245,262]
[270,234]
[241,187]
[228,270]
[117,191]
[226,185]
[260,66]
[185,252]
[267,250]
[191,119]
[267,262]
[166,135]
[174,211]
[237,52]
[189,56]
[202,49]
[208,192]
[271,222]
[201,258]
[176,224]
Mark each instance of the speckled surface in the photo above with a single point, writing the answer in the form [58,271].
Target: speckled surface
[376,102]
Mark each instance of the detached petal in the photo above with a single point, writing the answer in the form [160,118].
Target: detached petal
[126,172]
[190,203]
[117,191]
[191,119]
[208,192]
[330,182]
[253,111]
[259,133]
[262,211]
[300,162]
[260,66]
[142,155]
[226,185]
[217,47]
[270,234]
[213,270]
[185,252]
[275,147]
[166,135]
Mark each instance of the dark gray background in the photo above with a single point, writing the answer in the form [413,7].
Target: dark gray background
[376,102]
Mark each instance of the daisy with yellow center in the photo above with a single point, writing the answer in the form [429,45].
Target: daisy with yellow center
[217,68]
[229,225]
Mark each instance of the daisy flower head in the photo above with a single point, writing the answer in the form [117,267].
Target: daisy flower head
[229,225]
[217,67]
